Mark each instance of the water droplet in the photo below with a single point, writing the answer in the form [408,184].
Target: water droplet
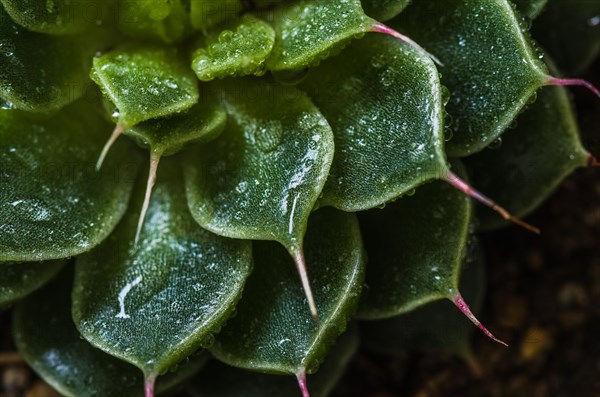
[445,95]
[268,136]
[531,100]
[448,134]
[496,144]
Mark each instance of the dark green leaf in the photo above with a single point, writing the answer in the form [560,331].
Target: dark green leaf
[165,20]
[261,178]
[383,10]
[384,103]
[531,8]
[532,159]
[570,31]
[273,332]
[17,280]
[435,326]
[416,246]
[56,16]
[46,336]
[40,73]
[308,31]
[215,380]
[235,53]
[154,303]
[167,135]
[489,65]
[145,83]
[54,203]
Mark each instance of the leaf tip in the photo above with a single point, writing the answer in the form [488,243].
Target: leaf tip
[593,161]
[464,187]
[300,262]
[154,160]
[573,82]
[379,27]
[301,376]
[460,303]
[113,137]
[149,386]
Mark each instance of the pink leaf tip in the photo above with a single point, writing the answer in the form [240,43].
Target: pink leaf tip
[464,187]
[379,27]
[149,386]
[593,162]
[154,160]
[301,376]
[464,308]
[573,82]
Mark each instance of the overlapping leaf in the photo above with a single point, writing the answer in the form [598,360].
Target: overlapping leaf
[489,65]
[17,280]
[383,10]
[154,303]
[31,77]
[384,103]
[47,338]
[235,53]
[165,20]
[436,326]
[416,247]
[53,204]
[261,178]
[530,8]
[207,13]
[533,158]
[215,380]
[273,332]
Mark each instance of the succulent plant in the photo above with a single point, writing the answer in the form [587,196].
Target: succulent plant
[308,168]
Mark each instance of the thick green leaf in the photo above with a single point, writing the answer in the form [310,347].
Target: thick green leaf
[154,303]
[235,53]
[383,10]
[167,135]
[570,32]
[437,326]
[383,100]
[215,379]
[39,72]
[261,178]
[17,280]
[489,65]
[531,8]
[145,83]
[207,13]
[165,20]
[46,336]
[416,247]
[532,159]
[273,332]
[56,16]
[54,203]
[308,31]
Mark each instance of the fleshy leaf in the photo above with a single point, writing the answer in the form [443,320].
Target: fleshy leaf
[436,326]
[490,75]
[145,83]
[532,159]
[236,53]
[167,135]
[54,204]
[416,247]
[383,100]
[17,280]
[215,379]
[261,178]
[273,332]
[40,73]
[570,32]
[383,10]
[155,302]
[309,30]
[531,8]
[46,336]
[58,17]
[207,13]
[165,20]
